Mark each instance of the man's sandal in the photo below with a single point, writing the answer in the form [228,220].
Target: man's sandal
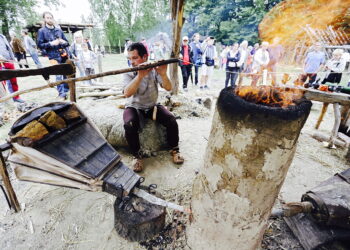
[137,165]
[177,158]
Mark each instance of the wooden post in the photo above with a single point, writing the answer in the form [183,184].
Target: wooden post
[72,92]
[99,63]
[5,178]
[320,118]
[177,11]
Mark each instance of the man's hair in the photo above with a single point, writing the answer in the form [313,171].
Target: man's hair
[47,13]
[141,49]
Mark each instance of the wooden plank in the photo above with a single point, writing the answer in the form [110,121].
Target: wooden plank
[102,94]
[8,186]
[328,97]
[59,69]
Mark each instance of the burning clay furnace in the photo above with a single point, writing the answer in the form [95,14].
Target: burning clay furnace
[251,145]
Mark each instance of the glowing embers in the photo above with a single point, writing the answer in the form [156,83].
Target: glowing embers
[270,95]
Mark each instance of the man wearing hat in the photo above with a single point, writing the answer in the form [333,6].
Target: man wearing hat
[185,63]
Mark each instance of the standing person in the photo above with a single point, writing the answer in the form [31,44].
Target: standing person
[243,61]
[232,68]
[223,57]
[76,50]
[103,50]
[209,56]
[260,62]
[126,46]
[275,52]
[53,43]
[6,58]
[141,88]
[19,50]
[31,48]
[144,42]
[255,48]
[87,41]
[186,56]
[314,61]
[197,55]
[87,59]
[335,67]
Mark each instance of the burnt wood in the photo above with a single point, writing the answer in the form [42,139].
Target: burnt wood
[137,219]
[59,69]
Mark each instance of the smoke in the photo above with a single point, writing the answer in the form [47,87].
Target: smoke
[289,19]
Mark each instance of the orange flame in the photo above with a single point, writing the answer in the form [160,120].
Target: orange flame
[270,95]
[288,21]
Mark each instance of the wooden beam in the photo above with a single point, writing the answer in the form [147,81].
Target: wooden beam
[84,78]
[59,69]
[177,11]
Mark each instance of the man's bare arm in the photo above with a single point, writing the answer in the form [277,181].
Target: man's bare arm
[161,70]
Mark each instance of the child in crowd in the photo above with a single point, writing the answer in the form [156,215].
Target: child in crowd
[87,58]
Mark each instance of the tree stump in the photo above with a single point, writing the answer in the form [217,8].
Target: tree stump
[138,220]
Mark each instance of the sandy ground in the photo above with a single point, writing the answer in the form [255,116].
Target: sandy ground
[62,218]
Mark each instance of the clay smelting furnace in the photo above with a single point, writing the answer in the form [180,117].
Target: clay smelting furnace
[251,146]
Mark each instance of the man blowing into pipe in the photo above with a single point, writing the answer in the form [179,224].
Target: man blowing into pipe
[141,88]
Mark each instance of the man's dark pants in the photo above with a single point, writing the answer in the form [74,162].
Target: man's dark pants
[196,69]
[186,73]
[132,126]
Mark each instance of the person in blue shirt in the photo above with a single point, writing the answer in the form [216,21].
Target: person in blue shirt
[53,44]
[196,55]
[314,61]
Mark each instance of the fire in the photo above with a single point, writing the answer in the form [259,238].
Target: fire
[288,19]
[270,95]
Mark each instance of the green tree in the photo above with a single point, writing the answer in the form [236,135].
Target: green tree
[127,18]
[16,13]
[229,21]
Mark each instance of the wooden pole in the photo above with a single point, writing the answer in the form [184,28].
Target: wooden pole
[72,92]
[99,63]
[320,118]
[84,78]
[7,183]
[177,11]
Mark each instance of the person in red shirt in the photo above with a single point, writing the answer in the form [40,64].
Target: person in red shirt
[185,63]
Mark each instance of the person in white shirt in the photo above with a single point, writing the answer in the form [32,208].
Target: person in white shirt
[87,58]
[260,62]
[335,67]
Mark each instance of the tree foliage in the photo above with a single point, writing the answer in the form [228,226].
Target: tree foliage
[228,20]
[127,18]
[16,13]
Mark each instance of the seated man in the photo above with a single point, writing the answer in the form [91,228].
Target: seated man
[142,90]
